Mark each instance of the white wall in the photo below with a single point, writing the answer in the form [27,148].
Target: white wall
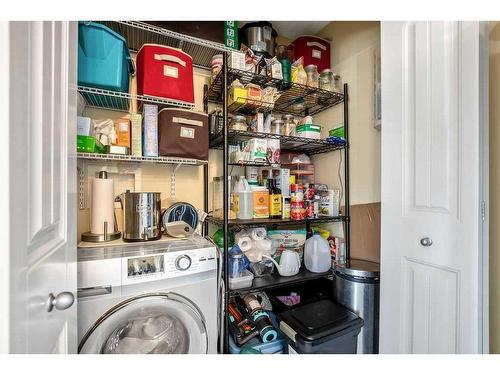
[354,47]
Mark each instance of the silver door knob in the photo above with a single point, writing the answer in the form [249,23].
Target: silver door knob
[62,301]
[426,241]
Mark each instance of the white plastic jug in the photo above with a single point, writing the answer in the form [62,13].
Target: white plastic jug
[245,196]
[317,256]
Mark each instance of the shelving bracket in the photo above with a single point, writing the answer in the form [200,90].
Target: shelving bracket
[172,179]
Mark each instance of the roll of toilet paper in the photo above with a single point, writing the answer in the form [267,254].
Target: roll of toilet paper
[258,233]
[244,242]
[102,206]
[265,246]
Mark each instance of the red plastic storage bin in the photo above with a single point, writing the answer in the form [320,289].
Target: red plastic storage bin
[165,72]
[315,51]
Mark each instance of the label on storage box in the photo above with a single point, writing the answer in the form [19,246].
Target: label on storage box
[170,71]
[187,132]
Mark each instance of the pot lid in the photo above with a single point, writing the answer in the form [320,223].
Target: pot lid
[360,268]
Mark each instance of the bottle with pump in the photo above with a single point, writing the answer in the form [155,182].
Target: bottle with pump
[275,201]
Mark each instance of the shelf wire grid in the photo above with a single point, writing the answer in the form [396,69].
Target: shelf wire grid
[140,159]
[295,99]
[138,33]
[120,101]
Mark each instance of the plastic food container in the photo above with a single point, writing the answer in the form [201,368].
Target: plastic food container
[241,282]
[85,143]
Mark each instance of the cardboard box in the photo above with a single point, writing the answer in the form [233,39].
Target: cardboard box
[237,95]
[236,60]
[83,125]
[284,182]
[122,129]
[150,130]
[136,147]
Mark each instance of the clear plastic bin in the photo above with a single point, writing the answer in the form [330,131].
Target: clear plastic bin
[241,282]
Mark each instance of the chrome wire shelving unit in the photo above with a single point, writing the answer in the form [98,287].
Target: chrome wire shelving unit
[298,100]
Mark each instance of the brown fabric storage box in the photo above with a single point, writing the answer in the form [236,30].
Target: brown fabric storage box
[183,133]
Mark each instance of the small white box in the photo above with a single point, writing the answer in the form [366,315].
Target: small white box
[83,125]
[236,60]
[258,149]
[150,130]
[284,180]
[136,121]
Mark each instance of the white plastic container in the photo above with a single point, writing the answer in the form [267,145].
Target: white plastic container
[317,256]
[245,197]
[241,282]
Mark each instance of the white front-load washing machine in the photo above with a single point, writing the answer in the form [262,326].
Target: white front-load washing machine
[157,297]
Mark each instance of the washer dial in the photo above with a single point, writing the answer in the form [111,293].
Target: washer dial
[183,262]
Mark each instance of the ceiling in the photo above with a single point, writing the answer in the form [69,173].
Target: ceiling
[292,29]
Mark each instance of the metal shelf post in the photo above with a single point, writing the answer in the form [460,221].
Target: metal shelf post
[346,176]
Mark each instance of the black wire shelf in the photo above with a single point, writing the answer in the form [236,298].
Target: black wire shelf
[287,142]
[275,280]
[295,99]
[236,224]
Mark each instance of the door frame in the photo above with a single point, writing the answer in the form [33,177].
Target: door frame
[484,180]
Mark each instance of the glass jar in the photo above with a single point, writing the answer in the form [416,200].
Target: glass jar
[312,75]
[289,125]
[238,122]
[337,83]
[326,80]
[276,126]
[236,265]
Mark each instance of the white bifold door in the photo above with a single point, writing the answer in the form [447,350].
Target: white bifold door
[434,187]
[38,187]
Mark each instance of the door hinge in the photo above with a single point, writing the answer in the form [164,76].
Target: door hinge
[483,210]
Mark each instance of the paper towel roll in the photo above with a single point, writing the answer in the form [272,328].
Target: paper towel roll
[258,233]
[244,243]
[102,207]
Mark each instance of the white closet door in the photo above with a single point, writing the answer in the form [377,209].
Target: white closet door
[39,102]
[432,112]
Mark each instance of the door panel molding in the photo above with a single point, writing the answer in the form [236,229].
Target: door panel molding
[430,118]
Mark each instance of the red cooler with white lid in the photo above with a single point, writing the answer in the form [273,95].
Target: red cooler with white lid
[315,50]
[165,72]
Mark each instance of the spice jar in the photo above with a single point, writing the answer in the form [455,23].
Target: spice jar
[326,80]
[337,83]
[238,122]
[312,75]
[276,126]
[289,125]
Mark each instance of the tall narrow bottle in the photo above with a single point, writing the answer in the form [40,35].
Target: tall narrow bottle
[275,201]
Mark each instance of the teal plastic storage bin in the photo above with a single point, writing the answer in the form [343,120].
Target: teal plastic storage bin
[103,58]
[277,346]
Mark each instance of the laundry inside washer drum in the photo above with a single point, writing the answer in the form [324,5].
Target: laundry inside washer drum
[156,333]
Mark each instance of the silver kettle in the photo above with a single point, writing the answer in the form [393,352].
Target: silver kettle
[141,216]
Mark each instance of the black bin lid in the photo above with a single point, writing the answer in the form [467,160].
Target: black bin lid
[322,318]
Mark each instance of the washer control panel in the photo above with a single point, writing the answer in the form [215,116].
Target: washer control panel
[168,264]
[183,262]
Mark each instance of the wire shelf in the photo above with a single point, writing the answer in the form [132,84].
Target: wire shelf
[236,224]
[120,101]
[139,33]
[287,143]
[139,159]
[295,99]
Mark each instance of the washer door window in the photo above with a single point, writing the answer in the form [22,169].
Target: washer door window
[165,323]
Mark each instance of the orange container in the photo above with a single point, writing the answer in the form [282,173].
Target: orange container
[260,202]
[122,129]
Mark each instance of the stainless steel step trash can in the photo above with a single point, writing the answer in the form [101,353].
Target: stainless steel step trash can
[358,289]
